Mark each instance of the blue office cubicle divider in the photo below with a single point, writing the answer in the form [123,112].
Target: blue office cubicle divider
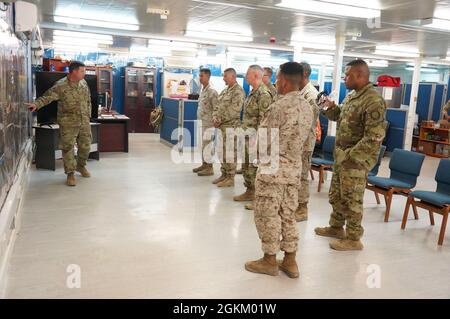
[189,122]
[397,128]
[423,101]
[171,119]
[181,115]
[438,102]
[342,93]
[407,94]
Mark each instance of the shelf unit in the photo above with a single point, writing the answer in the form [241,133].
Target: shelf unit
[140,90]
[429,145]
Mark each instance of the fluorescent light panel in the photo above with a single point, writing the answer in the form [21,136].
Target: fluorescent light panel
[82,35]
[60,39]
[330,8]
[219,36]
[96,23]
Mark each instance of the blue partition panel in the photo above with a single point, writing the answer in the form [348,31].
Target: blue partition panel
[396,133]
[423,101]
[170,119]
[324,126]
[437,105]
[189,122]
[407,96]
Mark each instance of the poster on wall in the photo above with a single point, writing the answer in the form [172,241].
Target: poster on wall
[13,116]
[177,83]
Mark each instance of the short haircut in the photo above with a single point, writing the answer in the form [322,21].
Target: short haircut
[257,68]
[292,72]
[231,70]
[206,71]
[361,65]
[269,71]
[75,65]
[306,69]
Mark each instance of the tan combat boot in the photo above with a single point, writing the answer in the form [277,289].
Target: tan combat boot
[71,181]
[198,169]
[250,206]
[301,214]
[218,180]
[335,232]
[84,172]
[239,172]
[248,196]
[289,265]
[227,182]
[346,244]
[267,265]
[207,171]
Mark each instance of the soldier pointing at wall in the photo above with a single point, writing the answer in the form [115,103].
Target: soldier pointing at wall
[74,113]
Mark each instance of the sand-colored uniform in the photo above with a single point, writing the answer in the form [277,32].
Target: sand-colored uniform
[73,117]
[276,191]
[272,89]
[228,112]
[360,132]
[207,101]
[308,93]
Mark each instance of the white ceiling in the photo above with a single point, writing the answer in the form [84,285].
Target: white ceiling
[400,22]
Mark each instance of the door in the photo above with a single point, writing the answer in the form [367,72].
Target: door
[147,98]
[131,96]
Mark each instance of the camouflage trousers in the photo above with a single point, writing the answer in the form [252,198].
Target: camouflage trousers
[248,169]
[69,135]
[303,193]
[275,206]
[205,142]
[228,162]
[346,196]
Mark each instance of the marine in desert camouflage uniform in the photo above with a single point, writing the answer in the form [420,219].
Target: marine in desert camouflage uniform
[277,189]
[309,93]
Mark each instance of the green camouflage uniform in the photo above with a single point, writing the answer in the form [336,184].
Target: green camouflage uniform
[228,112]
[360,132]
[276,192]
[255,106]
[206,103]
[272,89]
[74,113]
[309,93]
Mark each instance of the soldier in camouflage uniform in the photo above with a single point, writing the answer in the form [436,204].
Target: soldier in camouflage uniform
[227,115]
[309,93]
[360,132]
[277,189]
[255,106]
[445,110]
[207,101]
[74,113]
[267,80]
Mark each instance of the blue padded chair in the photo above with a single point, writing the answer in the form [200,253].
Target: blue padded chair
[325,163]
[405,167]
[435,202]
[376,168]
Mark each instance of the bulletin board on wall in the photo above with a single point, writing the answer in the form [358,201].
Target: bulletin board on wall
[177,83]
[14,117]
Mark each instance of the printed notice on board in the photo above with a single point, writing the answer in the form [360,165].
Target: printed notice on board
[388,93]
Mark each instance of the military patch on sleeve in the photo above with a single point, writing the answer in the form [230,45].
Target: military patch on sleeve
[375,115]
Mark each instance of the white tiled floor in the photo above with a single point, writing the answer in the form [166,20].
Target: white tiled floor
[144,227]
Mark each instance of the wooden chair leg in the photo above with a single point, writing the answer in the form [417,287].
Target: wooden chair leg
[431,218]
[443,226]
[311,173]
[320,179]
[405,214]
[388,198]
[377,197]
[416,215]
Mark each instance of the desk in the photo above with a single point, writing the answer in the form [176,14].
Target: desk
[47,145]
[113,133]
